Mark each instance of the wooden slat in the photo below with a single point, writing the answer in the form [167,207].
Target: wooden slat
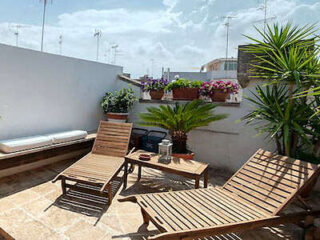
[240,204]
[214,207]
[112,139]
[270,181]
[256,193]
[107,156]
[276,164]
[234,207]
[268,156]
[192,213]
[161,212]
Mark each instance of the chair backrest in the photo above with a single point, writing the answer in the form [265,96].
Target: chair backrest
[112,139]
[270,181]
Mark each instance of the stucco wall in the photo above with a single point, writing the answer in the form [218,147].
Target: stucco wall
[43,93]
[227,143]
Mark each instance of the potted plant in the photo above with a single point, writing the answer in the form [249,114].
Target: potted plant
[117,105]
[155,87]
[184,89]
[218,91]
[179,120]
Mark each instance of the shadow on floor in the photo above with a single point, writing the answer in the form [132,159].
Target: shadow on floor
[263,233]
[85,203]
[153,181]
[22,181]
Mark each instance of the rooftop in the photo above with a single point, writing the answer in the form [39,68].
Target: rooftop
[33,208]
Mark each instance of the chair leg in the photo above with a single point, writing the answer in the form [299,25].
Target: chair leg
[145,217]
[110,193]
[309,228]
[63,186]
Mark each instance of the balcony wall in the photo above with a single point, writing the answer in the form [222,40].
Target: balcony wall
[43,93]
[227,143]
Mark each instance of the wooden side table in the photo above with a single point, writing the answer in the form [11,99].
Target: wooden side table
[179,166]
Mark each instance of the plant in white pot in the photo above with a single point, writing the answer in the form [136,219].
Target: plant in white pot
[118,104]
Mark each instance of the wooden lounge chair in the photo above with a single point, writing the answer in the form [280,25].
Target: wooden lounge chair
[103,163]
[253,197]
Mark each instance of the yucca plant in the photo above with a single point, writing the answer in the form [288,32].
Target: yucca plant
[281,121]
[286,58]
[180,119]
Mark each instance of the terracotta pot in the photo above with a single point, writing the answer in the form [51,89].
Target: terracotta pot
[185,93]
[188,156]
[156,94]
[219,96]
[117,117]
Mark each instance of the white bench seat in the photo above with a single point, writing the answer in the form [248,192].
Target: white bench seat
[67,136]
[26,143]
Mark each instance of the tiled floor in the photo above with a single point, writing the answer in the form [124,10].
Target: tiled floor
[31,207]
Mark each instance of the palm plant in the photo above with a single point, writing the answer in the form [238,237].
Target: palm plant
[180,119]
[273,116]
[287,59]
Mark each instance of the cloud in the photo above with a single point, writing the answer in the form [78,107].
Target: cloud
[182,35]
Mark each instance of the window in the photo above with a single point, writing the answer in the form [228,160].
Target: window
[232,66]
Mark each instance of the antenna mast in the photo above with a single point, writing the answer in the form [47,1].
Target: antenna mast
[98,34]
[115,53]
[43,21]
[265,16]
[60,44]
[227,24]
[16,32]
[152,67]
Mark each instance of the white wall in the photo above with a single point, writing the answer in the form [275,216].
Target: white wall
[227,143]
[43,93]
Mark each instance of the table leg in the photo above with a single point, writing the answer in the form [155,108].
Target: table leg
[205,179]
[63,185]
[139,172]
[125,175]
[196,186]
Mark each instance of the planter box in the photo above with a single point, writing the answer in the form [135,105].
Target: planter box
[156,95]
[219,96]
[185,93]
[117,117]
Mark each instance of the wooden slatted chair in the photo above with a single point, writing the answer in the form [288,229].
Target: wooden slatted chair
[103,163]
[253,197]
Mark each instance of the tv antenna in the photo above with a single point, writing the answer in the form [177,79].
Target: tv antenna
[265,20]
[115,52]
[98,35]
[60,44]
[43,21]
[15,28]
[152,67]
[227,24]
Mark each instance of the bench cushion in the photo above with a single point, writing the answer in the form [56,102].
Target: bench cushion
[67,136]
[20,144]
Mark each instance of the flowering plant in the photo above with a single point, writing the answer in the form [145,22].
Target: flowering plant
[208,88]
[154,84]
[183,83]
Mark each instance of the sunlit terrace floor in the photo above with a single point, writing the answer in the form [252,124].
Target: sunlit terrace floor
[31,207]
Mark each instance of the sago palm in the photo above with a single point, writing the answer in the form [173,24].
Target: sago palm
[180,119]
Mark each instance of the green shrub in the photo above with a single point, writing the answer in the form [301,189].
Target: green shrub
[183,83]
[119,101]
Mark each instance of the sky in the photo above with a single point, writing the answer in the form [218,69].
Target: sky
[150,34]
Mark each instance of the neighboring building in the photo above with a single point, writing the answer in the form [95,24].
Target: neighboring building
[217,69]
[221,68]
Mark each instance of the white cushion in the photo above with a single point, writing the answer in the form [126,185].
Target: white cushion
[20,144]
[67,136]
